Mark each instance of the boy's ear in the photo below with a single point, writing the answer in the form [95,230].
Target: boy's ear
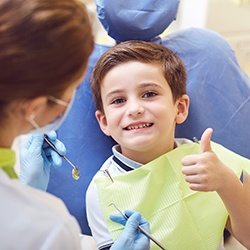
[101,118]
[182,109]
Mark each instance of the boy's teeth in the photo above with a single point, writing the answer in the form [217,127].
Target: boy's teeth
[139,126]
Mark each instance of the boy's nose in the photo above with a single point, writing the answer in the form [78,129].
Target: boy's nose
[135,108]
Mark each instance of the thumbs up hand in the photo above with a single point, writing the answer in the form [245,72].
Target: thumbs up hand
[206,140]
[204,171]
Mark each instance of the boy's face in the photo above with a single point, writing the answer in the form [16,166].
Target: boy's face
[140,113]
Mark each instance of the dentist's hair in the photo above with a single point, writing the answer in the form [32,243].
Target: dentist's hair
[173,69]
[44,47]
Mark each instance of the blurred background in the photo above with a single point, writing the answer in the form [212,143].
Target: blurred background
[231,18]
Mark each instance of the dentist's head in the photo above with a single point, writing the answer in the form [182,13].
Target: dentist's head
[44,50]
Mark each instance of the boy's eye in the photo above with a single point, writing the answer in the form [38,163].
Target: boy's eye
[118,101]
[149,94]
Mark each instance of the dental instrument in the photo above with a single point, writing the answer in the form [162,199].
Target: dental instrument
[75,171]
[140,228]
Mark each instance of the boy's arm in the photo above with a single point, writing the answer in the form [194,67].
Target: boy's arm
[205,172]
[237,202]
[95,218]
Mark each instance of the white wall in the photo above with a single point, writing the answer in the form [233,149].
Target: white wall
[228,17]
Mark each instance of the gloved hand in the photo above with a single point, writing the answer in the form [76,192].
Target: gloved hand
[36,156]
[131,238]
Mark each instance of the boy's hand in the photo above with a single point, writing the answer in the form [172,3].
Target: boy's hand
[204,172]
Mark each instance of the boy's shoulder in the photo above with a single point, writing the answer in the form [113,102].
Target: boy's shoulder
[180,141]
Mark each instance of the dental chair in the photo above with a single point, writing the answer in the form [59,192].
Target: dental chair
[218,89]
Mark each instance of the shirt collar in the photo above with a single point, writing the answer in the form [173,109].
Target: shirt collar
[123,159]
[128,164]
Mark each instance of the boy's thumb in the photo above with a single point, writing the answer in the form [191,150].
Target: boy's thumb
[206,140]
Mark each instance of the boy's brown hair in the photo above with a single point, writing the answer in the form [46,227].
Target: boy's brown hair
[173,68]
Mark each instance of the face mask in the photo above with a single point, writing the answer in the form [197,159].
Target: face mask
[54,125]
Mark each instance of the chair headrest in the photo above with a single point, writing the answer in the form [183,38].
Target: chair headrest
[136,20]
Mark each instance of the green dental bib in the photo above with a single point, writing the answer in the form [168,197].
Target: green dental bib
[180,219]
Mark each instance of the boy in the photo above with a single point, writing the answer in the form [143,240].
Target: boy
[139,89]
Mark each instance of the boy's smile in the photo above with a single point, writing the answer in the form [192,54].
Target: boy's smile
[138,126]
[140,113]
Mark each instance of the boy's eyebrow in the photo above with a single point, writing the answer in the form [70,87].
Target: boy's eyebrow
[142,85]
[116,91]
[149,84]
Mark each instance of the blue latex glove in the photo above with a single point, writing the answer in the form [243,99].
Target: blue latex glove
[131,238]
[36,158]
